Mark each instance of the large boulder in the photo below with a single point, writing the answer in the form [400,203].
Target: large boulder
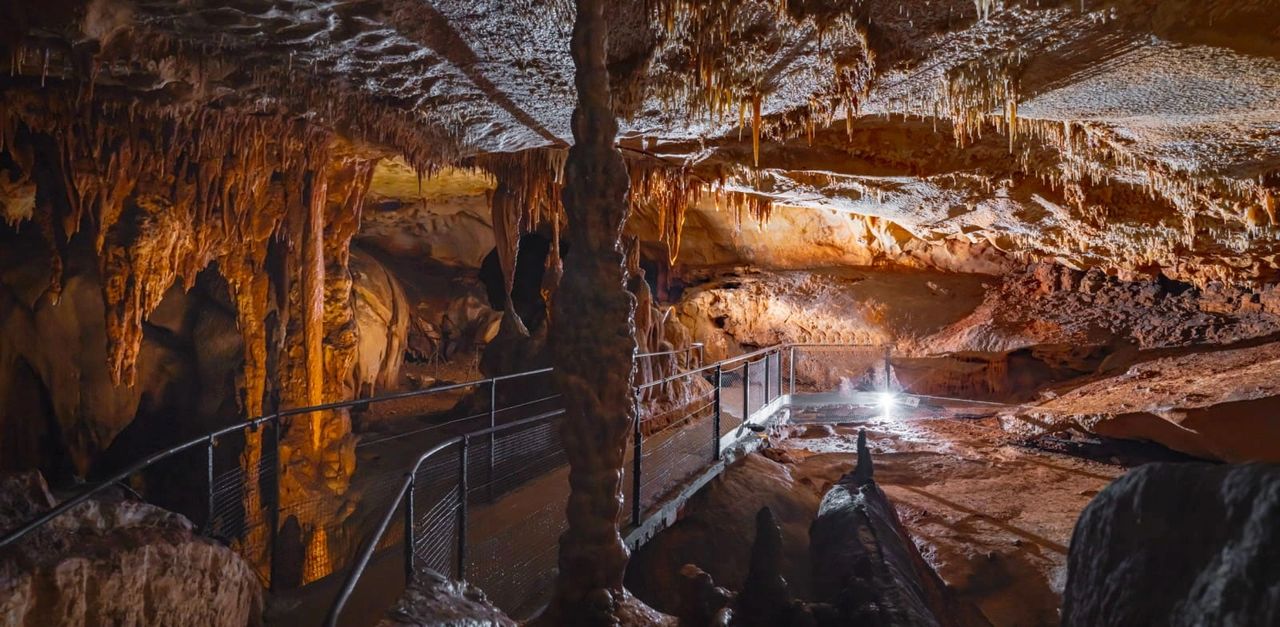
[382,324]
[116,561]
[1178,544]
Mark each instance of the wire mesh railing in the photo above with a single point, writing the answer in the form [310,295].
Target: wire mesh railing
[451,490]
[279,488]
[486,503]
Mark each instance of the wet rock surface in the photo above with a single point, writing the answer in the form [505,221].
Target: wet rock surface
[434,601]
[865,563]
[117,561]
[1178,544]
[992,518]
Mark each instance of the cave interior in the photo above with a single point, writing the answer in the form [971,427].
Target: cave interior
[640,312]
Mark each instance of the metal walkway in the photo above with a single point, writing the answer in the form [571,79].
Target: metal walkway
[485,502]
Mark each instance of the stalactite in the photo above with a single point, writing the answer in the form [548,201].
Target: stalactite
[755,130]
[526,197]
[161,192]
[726,49]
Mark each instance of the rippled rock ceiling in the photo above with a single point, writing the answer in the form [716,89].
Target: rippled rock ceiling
[151,140]
[1130,134]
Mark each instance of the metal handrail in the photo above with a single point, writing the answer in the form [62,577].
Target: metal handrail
[209,441]
[690,348]
[370,545]
[744,357]
[210,438]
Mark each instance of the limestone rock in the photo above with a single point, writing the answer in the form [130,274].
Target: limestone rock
[116,561]
[702,602]
[715,524]
[1220,405]
[1178,544]
[766,597]
[382,324]
[866,565]
[434,601]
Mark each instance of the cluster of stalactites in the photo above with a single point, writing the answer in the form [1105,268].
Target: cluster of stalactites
[972,90]
[1201,227]
[668,191]
[729,46]
[1215,212]
[307,85]
[1089,154]
[985,7]
[526,197]
[164,192]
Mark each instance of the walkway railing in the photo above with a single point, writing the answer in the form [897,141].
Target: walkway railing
[500,446]
[684,423]
[253,531]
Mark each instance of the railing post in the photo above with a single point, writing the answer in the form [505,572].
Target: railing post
[493,417]
[637,451]
[462,511]
[746,391]
[715,437]
[273,517]
[777,377]
[792,365]
[208,520]
[766,378]
[409,530]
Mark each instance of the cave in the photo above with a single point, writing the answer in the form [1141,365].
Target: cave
[640,312]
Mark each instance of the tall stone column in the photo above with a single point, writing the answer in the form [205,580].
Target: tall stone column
[593,342]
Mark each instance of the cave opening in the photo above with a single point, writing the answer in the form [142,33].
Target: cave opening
[639,312]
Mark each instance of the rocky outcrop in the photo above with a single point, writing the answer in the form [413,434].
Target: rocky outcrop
[1178,544]
[382,317]
[728,309]
[434,601]
[766,597]
[866,565]
[714,525]
[116,561]
[1216,405]
[60,410]
[1045,303]
[444,218]
[866,569]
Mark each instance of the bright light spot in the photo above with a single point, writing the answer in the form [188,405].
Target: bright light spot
[887,400]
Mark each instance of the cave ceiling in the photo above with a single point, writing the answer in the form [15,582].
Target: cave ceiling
[1134,134]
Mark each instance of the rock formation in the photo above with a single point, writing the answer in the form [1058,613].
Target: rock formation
[434,601]
[1193,403]
[593,343]
[865,564]
[115,560]
[211,210]
[1178,544]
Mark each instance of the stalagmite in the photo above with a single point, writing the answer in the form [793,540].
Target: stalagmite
[593,340]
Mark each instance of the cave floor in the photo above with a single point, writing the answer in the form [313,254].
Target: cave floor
[993,517]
